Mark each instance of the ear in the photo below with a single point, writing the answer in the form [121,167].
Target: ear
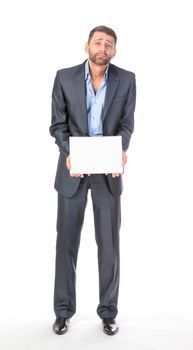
[86,48]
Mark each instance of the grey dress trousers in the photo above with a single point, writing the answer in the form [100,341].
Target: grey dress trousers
[107,219]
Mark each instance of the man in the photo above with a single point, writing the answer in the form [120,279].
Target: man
[93,99]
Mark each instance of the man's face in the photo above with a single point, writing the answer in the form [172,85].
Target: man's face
[101,48]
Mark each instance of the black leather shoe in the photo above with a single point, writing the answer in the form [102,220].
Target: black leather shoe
[109,326]
[60,326]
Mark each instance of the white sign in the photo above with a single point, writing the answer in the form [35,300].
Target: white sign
[96,155]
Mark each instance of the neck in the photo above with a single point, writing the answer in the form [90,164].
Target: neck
[96,71]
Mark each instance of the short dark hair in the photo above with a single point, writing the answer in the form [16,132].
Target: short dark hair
[102,29]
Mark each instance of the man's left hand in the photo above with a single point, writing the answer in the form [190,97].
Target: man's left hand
[124,161]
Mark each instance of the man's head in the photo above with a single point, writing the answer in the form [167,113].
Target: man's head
[101,45]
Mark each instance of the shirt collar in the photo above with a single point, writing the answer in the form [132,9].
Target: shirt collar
[87,71]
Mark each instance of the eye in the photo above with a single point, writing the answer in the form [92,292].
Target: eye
[109,46]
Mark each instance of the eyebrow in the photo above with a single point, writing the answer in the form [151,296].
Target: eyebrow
[105,40]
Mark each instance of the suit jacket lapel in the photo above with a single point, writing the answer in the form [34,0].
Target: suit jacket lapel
[80,89]
[111,89]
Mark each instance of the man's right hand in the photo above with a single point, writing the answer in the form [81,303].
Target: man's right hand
[69,167]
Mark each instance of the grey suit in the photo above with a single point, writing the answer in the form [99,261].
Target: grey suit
[69,118]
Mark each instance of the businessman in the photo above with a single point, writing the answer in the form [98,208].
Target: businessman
[95,98]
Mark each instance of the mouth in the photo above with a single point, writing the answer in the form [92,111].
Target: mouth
[102,56]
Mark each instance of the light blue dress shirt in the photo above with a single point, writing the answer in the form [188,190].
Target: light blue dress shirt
[95,102]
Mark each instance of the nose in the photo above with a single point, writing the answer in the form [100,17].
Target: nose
[102,48]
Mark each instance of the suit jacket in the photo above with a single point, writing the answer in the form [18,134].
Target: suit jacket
[69,117]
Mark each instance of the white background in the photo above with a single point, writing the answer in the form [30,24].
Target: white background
[155,302]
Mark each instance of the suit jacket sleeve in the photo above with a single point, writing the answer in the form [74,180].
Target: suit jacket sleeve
[59,124]
[126,125]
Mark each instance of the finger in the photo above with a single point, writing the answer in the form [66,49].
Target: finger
[124,160]
[68,165]
[77,174]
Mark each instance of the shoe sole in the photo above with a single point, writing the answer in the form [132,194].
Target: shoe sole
[60,332]
[113,333]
